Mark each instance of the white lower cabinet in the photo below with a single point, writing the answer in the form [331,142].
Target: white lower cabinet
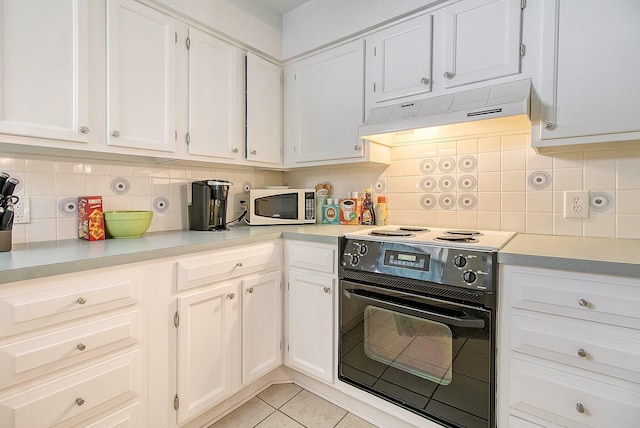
[570,346]
[71,349]
[310,306]
[207,347]
[261,325]
[229,332]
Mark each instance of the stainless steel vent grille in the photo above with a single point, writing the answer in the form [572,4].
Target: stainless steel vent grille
[419,287]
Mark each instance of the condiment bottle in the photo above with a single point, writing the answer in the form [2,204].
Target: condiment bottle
[381,211]
[368,214]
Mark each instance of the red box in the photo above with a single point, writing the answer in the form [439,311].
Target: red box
[90,218]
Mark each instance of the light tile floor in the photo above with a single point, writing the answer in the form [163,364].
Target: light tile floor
[289,406]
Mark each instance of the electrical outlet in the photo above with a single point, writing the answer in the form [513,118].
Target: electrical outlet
[21,212]
[576,204]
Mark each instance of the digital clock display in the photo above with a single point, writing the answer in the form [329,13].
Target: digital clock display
[406,257]
[415,261]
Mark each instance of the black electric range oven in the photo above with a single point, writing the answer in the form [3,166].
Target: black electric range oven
[417,321]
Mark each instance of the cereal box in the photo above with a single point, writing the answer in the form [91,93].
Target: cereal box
[90,218]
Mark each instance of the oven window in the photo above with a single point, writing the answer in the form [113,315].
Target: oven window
[414,345]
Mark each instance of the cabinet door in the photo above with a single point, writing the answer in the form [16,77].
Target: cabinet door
[482,41]
[399,61]
[261,325]
[207,345]
[264,110]
[325,104]
[310,324]
[215,97]
[590,86]
[44,68]
[140,76]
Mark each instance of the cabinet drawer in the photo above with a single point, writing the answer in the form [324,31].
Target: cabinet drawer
[219,265]
[38,303]
[558,395]
[591,297]
[610,350]
[78,395]
[37,355]
[311,257]
[129,417]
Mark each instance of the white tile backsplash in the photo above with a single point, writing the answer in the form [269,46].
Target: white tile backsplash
[505,200]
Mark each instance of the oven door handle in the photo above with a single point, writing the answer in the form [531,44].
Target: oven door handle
[468,322]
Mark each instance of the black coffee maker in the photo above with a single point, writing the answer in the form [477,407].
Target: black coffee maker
[207,207]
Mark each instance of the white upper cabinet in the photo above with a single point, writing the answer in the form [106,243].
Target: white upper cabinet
[399,61]
[215,97]
[44,69]
[140,76]
[324,105]
[590,67]
[482,41]
[263,110]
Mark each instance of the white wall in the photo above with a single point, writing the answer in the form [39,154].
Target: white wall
[320,22]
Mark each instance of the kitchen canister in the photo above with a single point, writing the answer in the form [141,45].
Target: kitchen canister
[5,240]
[321,201]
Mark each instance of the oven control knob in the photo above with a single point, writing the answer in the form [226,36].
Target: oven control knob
[460,261]
[355,260]
[362,249]
[469,277]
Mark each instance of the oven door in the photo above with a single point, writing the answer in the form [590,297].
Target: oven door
[430,356]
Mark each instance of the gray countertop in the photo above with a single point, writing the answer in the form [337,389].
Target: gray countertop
[40,259]
[607,256]
[595,255]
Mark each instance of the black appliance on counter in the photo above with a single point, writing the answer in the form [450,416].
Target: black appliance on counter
[417,320]
[207,204]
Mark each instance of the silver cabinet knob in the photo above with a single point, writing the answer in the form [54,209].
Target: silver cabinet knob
[239,264]
[81,300]
[581,353]
[250,290]
[424,81]
[583,303]
[81,347]
[84,129]
[115,134]
[579,408]
[327,289]
[235,150]
[548,125]
[357,147]
[253,152]
[79,401]
[231,296]
[449,75]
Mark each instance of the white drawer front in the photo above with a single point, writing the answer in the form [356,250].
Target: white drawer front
[34,356]
[34,306]
[129,417]
[311,257]
[90,389]
[559,396]
[610,350]
[582,296]
[220,265]
[521,423]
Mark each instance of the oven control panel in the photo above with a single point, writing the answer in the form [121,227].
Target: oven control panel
[443,265]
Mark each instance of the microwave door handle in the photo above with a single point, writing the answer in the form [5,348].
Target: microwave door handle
[445,319]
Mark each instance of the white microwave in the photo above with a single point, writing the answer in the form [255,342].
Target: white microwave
[281,206]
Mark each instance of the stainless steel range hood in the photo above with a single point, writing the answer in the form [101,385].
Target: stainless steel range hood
[493,109]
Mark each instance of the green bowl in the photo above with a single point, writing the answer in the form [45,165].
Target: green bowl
[127,224]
